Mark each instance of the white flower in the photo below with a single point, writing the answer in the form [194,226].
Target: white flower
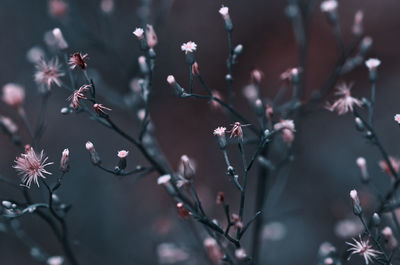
[138,33]
[372,63]
[397,118]
[329,6]
[189,46]
[171,79]
[220,131]
[224,11]
[364,249]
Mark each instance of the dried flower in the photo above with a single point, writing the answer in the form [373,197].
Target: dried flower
[189,47]
[64,163]
[48,73]
[13,94]
[395,162]
[78,60]
[345,102]
[139,33]
[372,63]
[77,95]
[100,109]
[358,22]
[363,248]
[31,166]
[237,130]
[151,36]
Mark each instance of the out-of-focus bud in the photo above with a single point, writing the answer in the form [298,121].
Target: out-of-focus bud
[55,260]
[151,37]
[357,209]
[295,75]
[213,250]
[238,49]
[165,180]
[182,211]
[358,23]
[240,254]
[269,112]
[59,39]
[35,54]
[94,156]
[143,65]
[220,198]
[224,11]
[389,238]
[122,160]
[259,108]
[365,44]
[180,91]
[237,221]
[330,8]
[8,125]
[372,65]
[187,167]
[64,163]
[256,76]
[195,69]
[362,164]
[107,6]
[13,95]
[376,220]
[359,124]
[58,8]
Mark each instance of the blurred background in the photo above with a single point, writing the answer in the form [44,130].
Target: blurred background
[123,220]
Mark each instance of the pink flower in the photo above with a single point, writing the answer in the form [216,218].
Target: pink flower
[372,63]
[284,124]
[345,102]
[13,94]
[224,11]
[189,47]
[77,95]
[78,59]
[363,248]
[122,154]
[48,73]
[31,166]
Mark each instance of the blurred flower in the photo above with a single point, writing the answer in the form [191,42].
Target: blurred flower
[186,167]
[363,248]
[358,22]
[13,94]
[31,166]
[58,8]
[397,118]
[55,260]
[240,253]
[284,124]
[224,11]
[348,228]
[59,38]
[345,102]
[274,231]
[122,154]
[107,6]
[169,253]
[35,54]
[329,6]
[78,59]
[48,73]
[139,33]
[213,250]
[256,75]
[250,92]
[395,162]
[182,211]
[372,63]
[189,47]
[8,124]
[389,238]
[151,36]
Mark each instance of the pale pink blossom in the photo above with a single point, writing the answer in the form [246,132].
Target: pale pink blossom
[59,38]
[77,95]
[48,73]
[364,249]
[122,154]
[139,33]
[354,196]
[372,63]
[240,254]
[189,47]
[89,146]
[35,54]
[78,60]
[107,6]
[345,102]
[31,166]
[284,124]
[397,118]
[224,11]
[329,6]
[55,260]
[13,94]
[169,253]
[219,131]
[151,37]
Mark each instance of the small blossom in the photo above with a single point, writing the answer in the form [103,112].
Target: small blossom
[13,94]
[250,92]
[31,166]
[345,102]
[122,160]
[94,156]
[354,196]
[100,109]
[48,73]
[219,131]
[372,63]
[64,163]
[122,154]
[240,253]
[363,248]
[164,179]
[195,69]
[269,112]
[78,60]
[77,95]
[139,33]
[189,47]
[395,162]
[55,260]
[329,6]
[224,11]
[89,146]
[151,36]
[171,80]
[397,118]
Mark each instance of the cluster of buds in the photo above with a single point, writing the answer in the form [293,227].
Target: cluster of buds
[64,162]
[182,211]
[180,91]
[357,209]
[187,167]
[362,164]
[94,156]
[122,160]
[372,65]
[224,11]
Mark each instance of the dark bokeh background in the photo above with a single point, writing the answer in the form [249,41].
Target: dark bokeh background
[114,220]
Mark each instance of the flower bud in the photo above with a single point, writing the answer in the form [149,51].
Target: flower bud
[6,204]
[359,124]
[59,39]
[220,198]
[238,49]
[151,37]
[376,220]
[362,164]
[372,65]
[165,180]
[187,167]
[178,89]
[357,209]
[143,65]
[389,238]
[64,163]
[220,133]
[224,11]
[122,159]
[94,156]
